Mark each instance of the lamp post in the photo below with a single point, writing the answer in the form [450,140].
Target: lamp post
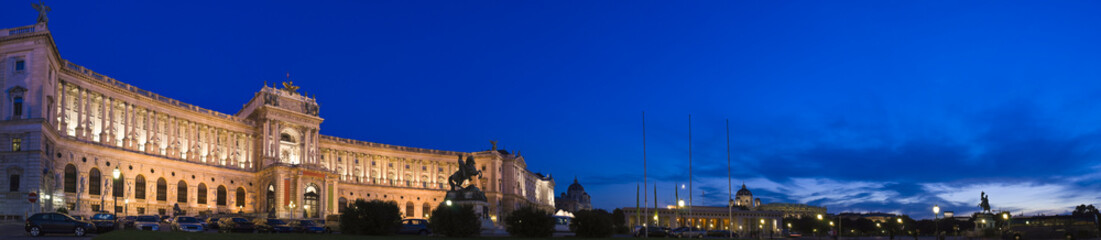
[116,174]
[291,206]
[816,228]
[936,221]
[126,205]
[1005,226]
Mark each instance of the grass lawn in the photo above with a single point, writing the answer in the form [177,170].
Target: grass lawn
[147,235]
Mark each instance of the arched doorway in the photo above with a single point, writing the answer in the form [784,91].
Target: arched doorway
[270,201]
[342,203]
[311,202]
[409,209]
[426,209]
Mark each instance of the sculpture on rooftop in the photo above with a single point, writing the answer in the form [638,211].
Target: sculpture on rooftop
[42,9]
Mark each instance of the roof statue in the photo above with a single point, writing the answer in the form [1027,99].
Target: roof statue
[42,9]
[289,85]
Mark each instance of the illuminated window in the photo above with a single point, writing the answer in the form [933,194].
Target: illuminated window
[16,144]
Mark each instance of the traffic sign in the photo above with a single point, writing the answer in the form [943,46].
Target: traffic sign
[32,197]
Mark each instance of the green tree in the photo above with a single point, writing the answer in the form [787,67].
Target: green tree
[455,221]
[529,222]
[592,223]
[372,218]
[619,220]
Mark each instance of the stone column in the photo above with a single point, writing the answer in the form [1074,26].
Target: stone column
[149,131]
[126,125]
[80,113]
[64,125]
[103,111]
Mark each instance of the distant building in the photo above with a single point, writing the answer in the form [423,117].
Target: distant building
[574,199]
[874,216]
[743,199]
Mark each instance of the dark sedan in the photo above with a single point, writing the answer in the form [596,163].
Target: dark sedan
[40,223]
[272,225]
[307,226]
[105,222]
[414,226]
[235,224]
[652,232]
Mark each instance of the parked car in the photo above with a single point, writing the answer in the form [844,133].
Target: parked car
[652,232]
[307,226]
[104,222]
[40,223]
[688,232]
[166,219]
[235,224]
[721,233]
[187,224]
[78,217]
[271,225]
[127,222]
[147,223]
[794,234]
[331,223]
[212,223]
[414,226]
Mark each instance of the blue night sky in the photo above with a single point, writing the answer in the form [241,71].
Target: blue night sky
[886,106]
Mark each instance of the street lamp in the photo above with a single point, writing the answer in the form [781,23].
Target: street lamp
[936,221]
[291,206]
[448,202]
[1005,217]
[116,174]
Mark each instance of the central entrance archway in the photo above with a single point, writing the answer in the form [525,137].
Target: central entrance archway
[311,202]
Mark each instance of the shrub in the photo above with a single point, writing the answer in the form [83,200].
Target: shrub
[372,218]
[530,222]
[63,210]
[619,220]
[454,221]
[592,223]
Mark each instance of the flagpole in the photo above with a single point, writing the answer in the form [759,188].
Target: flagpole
[676,202]
[656,222]
[729,185]
[638,210]
[690,167]
[644,180]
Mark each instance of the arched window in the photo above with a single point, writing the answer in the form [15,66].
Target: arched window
[70,178]
[162,190]
[139,187]
[221,200]
[95,183]
[201,193]
[240,197]
[409,209]
[118,185]
[285,137]
[181,192]
[425,208]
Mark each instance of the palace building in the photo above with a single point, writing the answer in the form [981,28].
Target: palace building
[66,131]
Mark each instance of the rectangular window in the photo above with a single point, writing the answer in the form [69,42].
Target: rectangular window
[20,65]
[162,211]
[141,210]
[119,209]
[14,183]
[95,207]
[17,107]
[16,144]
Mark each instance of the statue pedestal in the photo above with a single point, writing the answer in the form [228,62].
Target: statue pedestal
[472,196]
[984,220]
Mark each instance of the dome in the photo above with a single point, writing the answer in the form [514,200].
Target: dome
[575,187]
[744,192]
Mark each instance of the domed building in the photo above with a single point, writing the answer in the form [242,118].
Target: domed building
[744,198]
[574,199]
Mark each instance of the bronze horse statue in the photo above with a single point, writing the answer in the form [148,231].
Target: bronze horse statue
[466,171]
